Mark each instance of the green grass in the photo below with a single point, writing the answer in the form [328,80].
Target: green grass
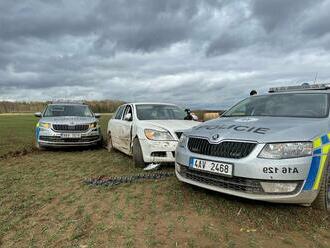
[44,203]
[16,132]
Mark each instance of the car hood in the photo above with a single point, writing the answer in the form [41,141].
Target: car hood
[170,125]
[261,129]
[69,120]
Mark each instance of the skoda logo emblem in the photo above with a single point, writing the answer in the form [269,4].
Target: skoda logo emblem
[216,136]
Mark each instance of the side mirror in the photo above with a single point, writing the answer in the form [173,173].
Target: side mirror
[97,115]
[38,114]
[128,117]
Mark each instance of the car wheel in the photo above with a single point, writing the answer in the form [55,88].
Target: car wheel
[109,143]
[137,154]
[322,201]
[100,143]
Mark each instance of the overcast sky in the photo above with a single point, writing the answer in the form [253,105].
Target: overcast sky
[202,54]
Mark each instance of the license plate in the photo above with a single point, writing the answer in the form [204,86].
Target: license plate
[70,135]
[212,166]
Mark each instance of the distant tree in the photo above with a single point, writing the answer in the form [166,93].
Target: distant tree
[104,106]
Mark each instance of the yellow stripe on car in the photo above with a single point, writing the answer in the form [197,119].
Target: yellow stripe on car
[325,152]
[317,143]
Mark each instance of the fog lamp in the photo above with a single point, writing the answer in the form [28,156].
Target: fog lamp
[270,187]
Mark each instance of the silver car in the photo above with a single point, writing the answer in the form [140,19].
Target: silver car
[67,124]
[271,147]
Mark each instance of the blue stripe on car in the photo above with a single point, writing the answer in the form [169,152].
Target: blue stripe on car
[312,173]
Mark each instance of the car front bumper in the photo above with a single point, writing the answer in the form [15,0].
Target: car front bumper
[248,176]
[50,138]
[158,151]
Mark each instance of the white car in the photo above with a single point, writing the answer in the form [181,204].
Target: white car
[148,131]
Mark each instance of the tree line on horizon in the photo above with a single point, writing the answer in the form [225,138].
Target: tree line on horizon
[103,106]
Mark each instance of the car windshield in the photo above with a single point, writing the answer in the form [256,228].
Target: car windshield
[68,110]
[283,105]
[159,112]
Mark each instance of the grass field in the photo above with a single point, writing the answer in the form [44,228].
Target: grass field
[44,203]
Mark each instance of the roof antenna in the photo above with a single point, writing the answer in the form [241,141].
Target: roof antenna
[315,77]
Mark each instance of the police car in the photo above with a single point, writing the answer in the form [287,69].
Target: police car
[64,124]
[271,147]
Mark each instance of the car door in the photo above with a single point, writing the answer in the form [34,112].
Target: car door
[114,126]
[125,129]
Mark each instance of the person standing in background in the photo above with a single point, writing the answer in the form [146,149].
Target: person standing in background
[253,93]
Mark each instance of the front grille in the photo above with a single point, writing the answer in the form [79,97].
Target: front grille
[179,134]
[241,184]
[57,139]
[70,128]
[226,149]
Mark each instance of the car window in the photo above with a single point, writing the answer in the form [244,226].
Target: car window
[68,110]
[119,113]
[159,112]
[128,110]
[283,105]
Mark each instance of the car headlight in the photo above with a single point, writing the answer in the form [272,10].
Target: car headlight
[44,125]
[157,135]
[287,150]
[183,140]
[93,125]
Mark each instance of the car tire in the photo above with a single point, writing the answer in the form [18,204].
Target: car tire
[137,154]
[109,143]
[322,201]
[100,143]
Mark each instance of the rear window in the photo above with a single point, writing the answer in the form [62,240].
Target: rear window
[308,105]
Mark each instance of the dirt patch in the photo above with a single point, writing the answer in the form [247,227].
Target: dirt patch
[18,153]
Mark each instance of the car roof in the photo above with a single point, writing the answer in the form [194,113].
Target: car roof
[305,87]
[150,103]
[65,103]
[301,92]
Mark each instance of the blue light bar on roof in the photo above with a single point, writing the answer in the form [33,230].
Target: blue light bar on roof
[299,88]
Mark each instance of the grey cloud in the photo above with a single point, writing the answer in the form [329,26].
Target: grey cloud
[278,13]
[44,19]
[318,25]
[146,25]
[226,44]
[191,52]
